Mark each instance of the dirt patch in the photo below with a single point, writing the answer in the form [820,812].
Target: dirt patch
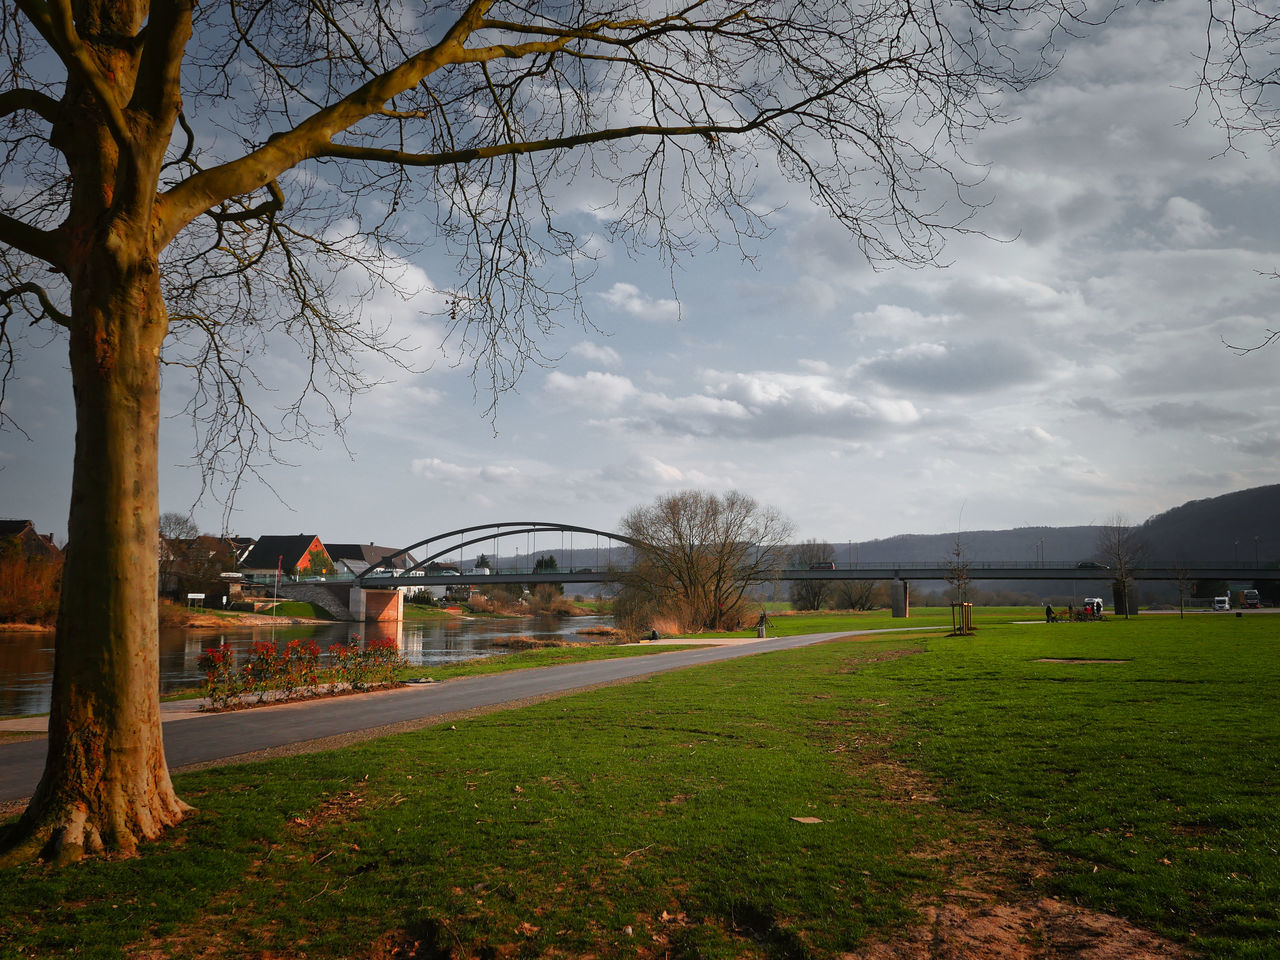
[1047,929]
[992,908]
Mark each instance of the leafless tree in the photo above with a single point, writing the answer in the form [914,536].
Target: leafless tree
[176,530]
[1186,585]
[696,556]
[812,594]
[1120,547]
[859,594]
[956,565]
[188,187]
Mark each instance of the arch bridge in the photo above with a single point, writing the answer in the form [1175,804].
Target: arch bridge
[377,594]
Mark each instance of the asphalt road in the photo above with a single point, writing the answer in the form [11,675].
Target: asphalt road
[244,735]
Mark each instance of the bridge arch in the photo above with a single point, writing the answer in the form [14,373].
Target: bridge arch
[444,543]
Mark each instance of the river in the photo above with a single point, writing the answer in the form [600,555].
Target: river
[26,657]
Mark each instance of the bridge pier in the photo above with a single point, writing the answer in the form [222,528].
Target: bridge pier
[900,598]
[380,605]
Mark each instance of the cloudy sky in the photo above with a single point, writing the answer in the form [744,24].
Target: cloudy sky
[1068,367]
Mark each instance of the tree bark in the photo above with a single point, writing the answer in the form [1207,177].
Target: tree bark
[106,784]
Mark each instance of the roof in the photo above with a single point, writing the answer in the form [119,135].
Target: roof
[283,551]
[33,544]
[14,528]
[359,557]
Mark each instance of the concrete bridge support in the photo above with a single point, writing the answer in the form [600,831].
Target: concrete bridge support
[900,598]
[380,605]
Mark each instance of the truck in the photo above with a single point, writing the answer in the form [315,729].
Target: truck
[1249,599]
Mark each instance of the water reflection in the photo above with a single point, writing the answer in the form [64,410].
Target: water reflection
[26,658]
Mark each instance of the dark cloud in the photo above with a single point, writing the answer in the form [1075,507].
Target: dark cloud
[981,366]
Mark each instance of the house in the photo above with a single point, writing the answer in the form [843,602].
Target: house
[356,558]
[196,564]
[22,535]
[300,555]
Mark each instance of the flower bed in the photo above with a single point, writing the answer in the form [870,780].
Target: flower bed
[296,673]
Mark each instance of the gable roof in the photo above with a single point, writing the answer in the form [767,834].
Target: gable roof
[23,533]
[365,555]
[286,552]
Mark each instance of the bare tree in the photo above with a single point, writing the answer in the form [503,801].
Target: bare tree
[812,594]
[956,565]
[697,554]
[859,594]
[188,186]
[177,531]
[1186,585]
[1120,547]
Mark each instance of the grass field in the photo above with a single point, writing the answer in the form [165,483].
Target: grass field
[655,818]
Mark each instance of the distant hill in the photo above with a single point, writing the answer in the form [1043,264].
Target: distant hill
[1218,528]
[1229,527]
[1022,543]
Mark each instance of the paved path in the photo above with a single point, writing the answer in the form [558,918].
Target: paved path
[192,739]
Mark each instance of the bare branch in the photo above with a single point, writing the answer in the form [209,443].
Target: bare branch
[42,105]
[43,244]
[47,308]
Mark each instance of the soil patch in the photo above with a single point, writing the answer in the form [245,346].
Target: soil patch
[970,925]
[993,907]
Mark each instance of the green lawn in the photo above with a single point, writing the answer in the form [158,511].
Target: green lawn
[655,818]
[298,608]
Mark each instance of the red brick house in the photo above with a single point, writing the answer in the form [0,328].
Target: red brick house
[298,555]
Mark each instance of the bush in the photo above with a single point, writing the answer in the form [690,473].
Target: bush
[29,587]
[222,686]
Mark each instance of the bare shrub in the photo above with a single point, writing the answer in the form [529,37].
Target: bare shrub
[29,588]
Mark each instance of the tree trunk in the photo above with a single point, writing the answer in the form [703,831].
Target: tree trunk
[106,784]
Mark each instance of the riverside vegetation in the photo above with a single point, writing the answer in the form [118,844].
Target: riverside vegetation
[1127,766]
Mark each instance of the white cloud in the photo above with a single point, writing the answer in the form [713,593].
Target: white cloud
[628,298]
[596,390]
[435,469]
[596,353]
[1188,224]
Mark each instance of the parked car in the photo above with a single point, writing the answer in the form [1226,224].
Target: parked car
[1093,605]
[1221,603]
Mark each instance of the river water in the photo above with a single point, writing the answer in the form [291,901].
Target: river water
[26,657]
